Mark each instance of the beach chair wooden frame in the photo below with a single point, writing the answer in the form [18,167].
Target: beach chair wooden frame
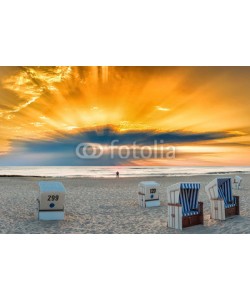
[184,209]
[223,203]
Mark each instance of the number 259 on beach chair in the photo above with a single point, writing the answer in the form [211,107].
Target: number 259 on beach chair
[223,203]
[184,210]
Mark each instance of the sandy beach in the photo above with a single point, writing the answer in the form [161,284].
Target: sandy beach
[105,206]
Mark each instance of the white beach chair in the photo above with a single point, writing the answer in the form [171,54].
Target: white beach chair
[148,194]
[223,203]
[237,182]
[51,201]
[184,210]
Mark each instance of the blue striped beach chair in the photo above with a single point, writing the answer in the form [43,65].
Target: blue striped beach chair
[184,209]
[223,203]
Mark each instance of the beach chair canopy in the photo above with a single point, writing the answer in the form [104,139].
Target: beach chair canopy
[221,188]
[237,179]
[189,193]
[225,191]
[185,194]
[148,183]
[51,186]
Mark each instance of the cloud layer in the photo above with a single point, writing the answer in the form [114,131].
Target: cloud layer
[62,149]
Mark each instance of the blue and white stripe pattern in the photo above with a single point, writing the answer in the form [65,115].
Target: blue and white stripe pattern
[189,198]
[225,192]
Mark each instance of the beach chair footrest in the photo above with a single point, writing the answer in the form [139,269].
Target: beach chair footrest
[195,219]
[234,210]
[192,220]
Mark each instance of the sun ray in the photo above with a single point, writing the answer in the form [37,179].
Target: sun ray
[41,102]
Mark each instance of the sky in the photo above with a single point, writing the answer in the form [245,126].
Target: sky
[144,116]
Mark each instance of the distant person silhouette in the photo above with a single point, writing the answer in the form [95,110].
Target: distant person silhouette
[117,174]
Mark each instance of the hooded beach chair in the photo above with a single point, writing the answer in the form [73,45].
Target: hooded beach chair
[223,203]
[184,209]
[237,182]
[148,194]
[51,201]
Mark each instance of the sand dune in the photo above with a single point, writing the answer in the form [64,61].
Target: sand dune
[109,206]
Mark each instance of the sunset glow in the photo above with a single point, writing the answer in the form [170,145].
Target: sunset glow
[202,111]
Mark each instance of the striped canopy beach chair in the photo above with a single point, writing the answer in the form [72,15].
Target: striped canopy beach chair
[223,203]
[184,209]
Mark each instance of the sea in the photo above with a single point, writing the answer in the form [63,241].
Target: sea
[124,171]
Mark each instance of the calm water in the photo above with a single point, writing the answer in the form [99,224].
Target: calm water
[108,172]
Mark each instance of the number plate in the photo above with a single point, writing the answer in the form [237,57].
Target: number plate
[53,197]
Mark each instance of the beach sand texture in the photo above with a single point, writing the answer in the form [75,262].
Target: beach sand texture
[106,206]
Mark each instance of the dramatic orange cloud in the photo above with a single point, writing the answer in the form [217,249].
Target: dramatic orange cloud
[45,103]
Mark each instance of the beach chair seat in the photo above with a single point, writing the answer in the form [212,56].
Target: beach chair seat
[191,213]
[223,203]
[148,194]
[51,201]
[184,209]
[228,205]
